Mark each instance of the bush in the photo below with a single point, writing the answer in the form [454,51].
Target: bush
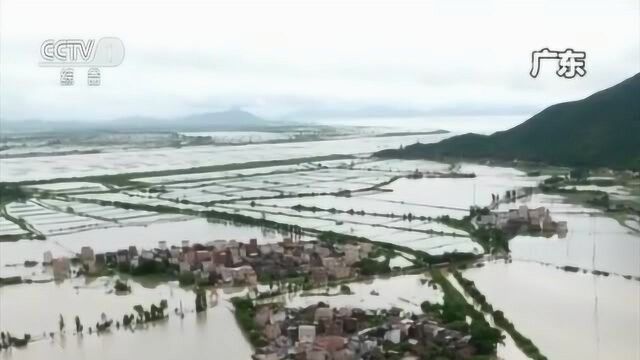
[484,337]
[372,267]
[428,307]
[121,286]
[186,278]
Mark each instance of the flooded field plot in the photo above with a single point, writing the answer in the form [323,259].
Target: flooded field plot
[406,292]
[593,241]
[8,227]
[240,137]
[50,167]
[592,317]
[128,199]
[50,222]
[367,204]
[403,166]
[109,213]
[70,187]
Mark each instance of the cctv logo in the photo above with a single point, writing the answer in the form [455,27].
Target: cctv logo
[106,52]
[67,50]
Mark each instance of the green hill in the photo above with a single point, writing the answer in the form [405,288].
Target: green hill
[600,130]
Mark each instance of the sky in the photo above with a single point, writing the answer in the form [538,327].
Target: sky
[313,59]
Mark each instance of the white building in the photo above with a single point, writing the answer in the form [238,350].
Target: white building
[306,333]
[393,336]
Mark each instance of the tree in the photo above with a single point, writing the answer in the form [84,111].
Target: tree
[140,311]
[201,300]
[453,310]
[484,337]
[121,286]
[126,320]
[78,325]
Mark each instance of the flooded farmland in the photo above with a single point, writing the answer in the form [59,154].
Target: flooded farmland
[568,315]
[370,198]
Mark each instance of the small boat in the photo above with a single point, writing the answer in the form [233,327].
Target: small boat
[374,293]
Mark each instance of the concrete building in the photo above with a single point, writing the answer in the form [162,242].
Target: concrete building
[122,256]
[306,333]
[61,268]
[351,254]
[323,314]
[86,254]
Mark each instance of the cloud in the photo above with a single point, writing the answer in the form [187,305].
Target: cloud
[304,57]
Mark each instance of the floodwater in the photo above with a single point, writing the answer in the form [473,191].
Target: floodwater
[35,309]
[567,315]
[570,315]
[455,193]
[405,291]
[49,167]
[593,241]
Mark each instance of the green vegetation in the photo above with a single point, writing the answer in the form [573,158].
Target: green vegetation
[567,186]
[201,299]
[10,192]
[121,286]
[186,278]
[455,310]
[245,314]
[370,267]
[600,130]
[492,240]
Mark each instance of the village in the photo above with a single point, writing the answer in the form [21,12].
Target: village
[523,220]
[223,262]
[320,332]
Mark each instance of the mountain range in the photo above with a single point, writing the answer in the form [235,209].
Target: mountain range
[600,130]
[210,121]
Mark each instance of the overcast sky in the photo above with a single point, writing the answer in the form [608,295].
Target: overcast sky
[303,58]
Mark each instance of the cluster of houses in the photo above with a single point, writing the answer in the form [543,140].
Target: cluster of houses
[319,332]
[523,219]
[222,261]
